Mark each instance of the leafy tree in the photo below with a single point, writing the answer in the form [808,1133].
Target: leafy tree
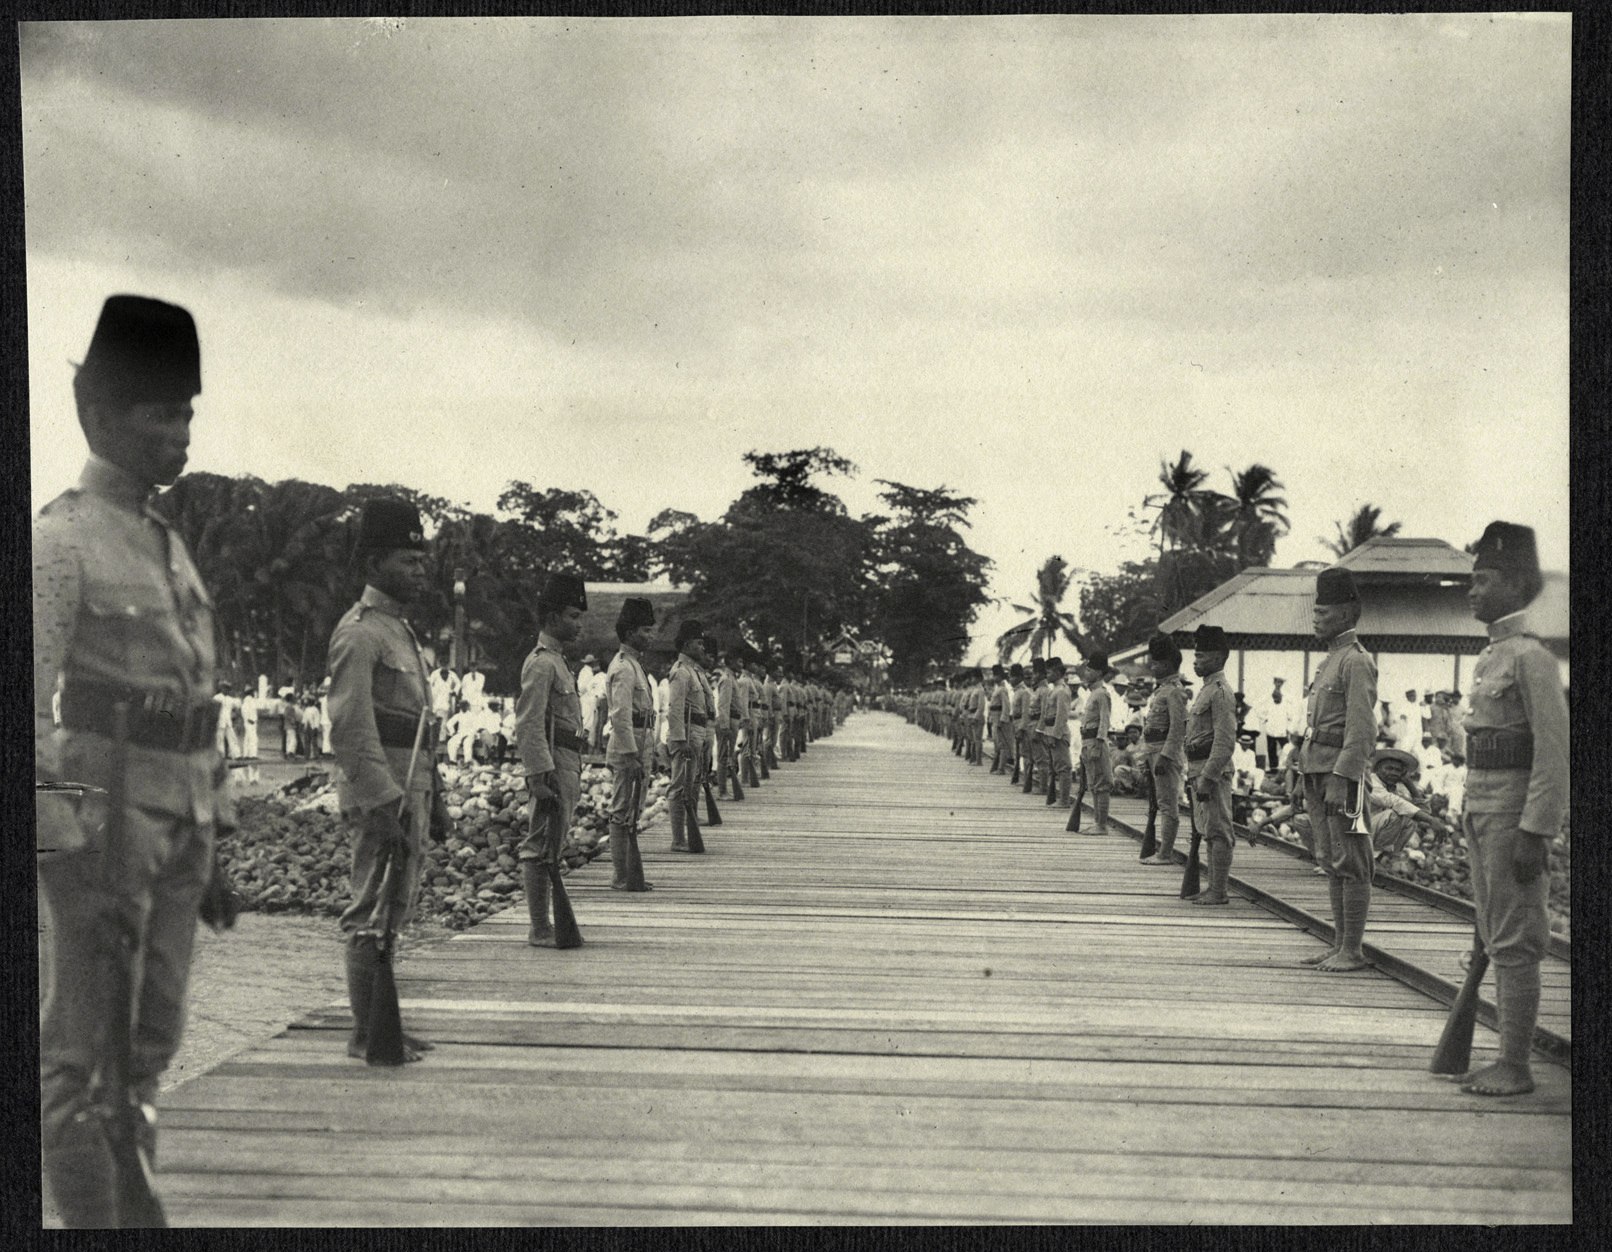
[930,582]
[567,530]
[1048,619]
[1124,608]
[1363,525]
[1258,514]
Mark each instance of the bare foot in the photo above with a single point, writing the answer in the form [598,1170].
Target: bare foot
[1206,898]
[1159,859]
[358,1050]
[1500,1079]
[418,1044]
[1343,963]
[1319,957]
[540,938]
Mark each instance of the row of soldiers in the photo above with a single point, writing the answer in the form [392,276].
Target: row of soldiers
[131,793]
[1515,796]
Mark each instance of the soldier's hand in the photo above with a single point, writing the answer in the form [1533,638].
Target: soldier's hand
[1204,788]
[541,785]
[384,825]
[1335,797]
[1529,858]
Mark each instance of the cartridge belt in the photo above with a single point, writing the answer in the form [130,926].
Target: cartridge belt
[1154,736]
[697,719]
[1327,738]
[397,730]
[157,719]
[642,721]
[1087,734]
[1499,749]
[1200,750]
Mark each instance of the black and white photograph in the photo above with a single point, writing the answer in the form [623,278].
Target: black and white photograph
[626,610]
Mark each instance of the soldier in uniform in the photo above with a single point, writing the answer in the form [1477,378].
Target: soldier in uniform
[687,730]
[1095,753]
[631,712]
[1211,737]
[1033,749]
[1341,731]
[773,691]
[379,710]
[551,737]
[997,719]
[122,619]
[729,715]
[745,696]
[1164,734]
[1055,732]
[1516,793]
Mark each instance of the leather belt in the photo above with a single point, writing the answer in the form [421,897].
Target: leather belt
[1154,736]
[397,730]
[697,719]
[1327,738]
[1499,749]
[1200,751]
[642,721]
[1087,734]
[156,718]
[569,742]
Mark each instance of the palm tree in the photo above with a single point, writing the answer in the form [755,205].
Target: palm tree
[1258,515]
[1360,527]
[1178,503]
[1048,619]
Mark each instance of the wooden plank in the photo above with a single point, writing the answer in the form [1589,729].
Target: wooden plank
[799,1028]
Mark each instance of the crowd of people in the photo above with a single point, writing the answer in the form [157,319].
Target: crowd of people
[132,725]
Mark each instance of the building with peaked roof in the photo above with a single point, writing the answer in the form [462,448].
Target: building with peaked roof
[1415,620]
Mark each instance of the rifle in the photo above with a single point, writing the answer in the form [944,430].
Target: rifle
[130,1126]
[566,932]
[1454,1052]
[713,816]
[385,1044]
[1150,836]
[1080,798]
[696,843]
[1190,884]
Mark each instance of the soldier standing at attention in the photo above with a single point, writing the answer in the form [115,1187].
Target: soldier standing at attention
[1035,754]
[1516,793]
[122,618]
[1095,756]
[745,698]
[1164,732]
[1211,738]
[379,709]
[1341,733]
[1014,712]
[1055,727]
[726,727]
[550,735]
[631,704]
[686,722]
[1001,719]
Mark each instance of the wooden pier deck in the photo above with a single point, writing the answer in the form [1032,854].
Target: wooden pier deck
[894,990]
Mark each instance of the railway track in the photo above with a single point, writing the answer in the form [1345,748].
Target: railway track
[1404,965]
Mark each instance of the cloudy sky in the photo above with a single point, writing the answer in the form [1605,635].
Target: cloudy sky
[1025,257]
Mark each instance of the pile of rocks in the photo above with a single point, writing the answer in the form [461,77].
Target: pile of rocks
[1440,861]
[292,851]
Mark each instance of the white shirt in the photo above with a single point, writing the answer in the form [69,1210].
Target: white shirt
[249,708]
[585,677]
[599,687]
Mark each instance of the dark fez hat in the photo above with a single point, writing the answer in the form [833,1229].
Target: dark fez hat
[1507,547]
[1210,639]
[564,591]
[1335,585]
[635,612]
[998,671]
[386,524]
[143,352]
[1097,663]
[689,629]
[1037,662]
[1016,672]
[1162,648]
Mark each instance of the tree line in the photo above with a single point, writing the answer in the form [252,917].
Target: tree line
[785,571]
[1202,537]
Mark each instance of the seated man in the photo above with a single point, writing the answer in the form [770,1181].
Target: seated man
[1129,762]
[1395,813]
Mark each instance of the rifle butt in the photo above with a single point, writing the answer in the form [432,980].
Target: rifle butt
[1453,1055]
[713,815]
[566,932]
[385,1046]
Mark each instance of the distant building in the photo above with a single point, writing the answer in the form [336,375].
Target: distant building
[1415,621]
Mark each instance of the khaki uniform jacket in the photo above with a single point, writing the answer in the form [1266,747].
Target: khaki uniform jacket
[1094,714]
[1341,717]
[685,695]
[1516,687]
[1213,718]
[1020,707]
[1167,711]
[548,699]
[375,667]
[629,698]
[1055,722]
[117,600]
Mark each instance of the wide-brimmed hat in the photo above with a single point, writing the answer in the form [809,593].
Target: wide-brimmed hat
[1396,754]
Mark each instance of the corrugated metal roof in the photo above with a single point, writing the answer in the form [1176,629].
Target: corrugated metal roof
[1415,557]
